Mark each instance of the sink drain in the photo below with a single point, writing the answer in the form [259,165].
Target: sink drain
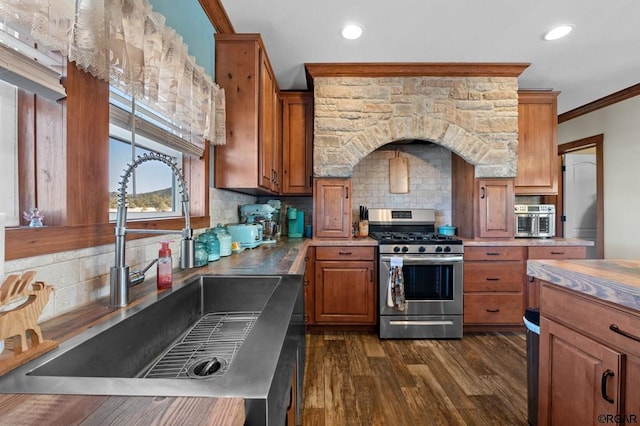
[205,368]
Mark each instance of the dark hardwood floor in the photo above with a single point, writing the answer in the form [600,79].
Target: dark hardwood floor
[358,379]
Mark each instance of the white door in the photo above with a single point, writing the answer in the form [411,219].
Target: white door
[580,198]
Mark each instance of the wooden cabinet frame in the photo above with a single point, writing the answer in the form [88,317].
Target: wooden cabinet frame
[63,169]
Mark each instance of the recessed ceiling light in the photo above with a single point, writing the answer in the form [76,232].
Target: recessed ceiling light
[558,32]
[352,31]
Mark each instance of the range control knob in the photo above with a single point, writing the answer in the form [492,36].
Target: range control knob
[447,249]
[405,249]
[396,249]
[422,249]
[438,249]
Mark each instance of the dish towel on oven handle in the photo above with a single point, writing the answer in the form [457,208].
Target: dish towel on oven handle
[395,293]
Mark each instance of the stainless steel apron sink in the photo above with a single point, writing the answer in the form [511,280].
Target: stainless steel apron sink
[213,336]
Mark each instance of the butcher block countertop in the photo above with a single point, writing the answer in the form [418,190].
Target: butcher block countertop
[286,256]
[527,242]
[614,281]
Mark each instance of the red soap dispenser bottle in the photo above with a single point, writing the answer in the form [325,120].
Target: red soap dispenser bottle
[165,265]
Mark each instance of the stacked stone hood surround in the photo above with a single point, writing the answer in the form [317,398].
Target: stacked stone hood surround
[474,116]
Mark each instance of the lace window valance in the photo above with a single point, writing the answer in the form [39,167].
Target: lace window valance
[126,43]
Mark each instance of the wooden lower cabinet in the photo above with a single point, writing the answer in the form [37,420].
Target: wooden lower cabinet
[549,252]
[309,286]
[292,419]
[345,286]
[582,377]
[589,360]
[493,285]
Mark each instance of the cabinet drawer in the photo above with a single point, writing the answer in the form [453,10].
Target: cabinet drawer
[494,253]
[493,308]
[558,252]
[591,317]
[345,253]
[493,276]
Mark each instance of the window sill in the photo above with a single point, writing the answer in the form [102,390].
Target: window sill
[28,242]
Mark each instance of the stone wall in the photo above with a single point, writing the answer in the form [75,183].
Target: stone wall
[475,117]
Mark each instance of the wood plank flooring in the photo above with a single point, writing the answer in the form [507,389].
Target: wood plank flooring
[358,379]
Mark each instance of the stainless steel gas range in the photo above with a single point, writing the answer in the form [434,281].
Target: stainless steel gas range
[420,276]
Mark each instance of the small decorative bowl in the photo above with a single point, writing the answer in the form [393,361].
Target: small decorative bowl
[447,230]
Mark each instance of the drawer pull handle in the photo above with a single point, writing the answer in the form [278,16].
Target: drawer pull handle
[493,279]
[493,253]
[616,329]
[603,386]
[557,252]
[493,310]
[345,253]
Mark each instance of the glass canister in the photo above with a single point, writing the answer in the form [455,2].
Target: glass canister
[224,238]
[201,255]
[213,245]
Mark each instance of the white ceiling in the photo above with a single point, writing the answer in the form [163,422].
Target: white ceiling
[600,57]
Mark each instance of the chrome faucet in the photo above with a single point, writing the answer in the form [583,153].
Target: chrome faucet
[120,277]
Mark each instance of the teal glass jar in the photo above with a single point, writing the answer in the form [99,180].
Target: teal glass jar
[201,255]
[213,245]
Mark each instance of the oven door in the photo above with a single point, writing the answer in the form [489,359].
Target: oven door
[432,284]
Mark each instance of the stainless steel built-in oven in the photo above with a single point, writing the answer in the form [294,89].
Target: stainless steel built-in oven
[431,268]
[433,295]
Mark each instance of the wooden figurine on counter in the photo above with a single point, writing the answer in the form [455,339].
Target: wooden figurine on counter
[21,304]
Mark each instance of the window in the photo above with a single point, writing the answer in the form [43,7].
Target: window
[152,190]
[9,154]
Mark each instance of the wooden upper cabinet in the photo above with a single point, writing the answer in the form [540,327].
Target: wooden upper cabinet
[537,143]
[268,120]
[495,208]
[332,208]
[482,208]
[297,143]
[250,160]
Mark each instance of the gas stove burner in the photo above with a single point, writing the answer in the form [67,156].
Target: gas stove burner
[409,237]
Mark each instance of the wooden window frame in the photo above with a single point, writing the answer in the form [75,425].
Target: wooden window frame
[63,169]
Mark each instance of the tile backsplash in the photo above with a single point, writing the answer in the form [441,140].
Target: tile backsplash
[429,180]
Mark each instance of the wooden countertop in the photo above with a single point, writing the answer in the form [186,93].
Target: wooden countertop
[286,256]
[614,281]
[527,242]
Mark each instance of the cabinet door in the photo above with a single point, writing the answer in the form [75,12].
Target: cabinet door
[579,377]
[297,143]
[238,72]
[268,150]
[345,293]
[309,287]
[495,204]
[537,143]
[632,390]
[332,208]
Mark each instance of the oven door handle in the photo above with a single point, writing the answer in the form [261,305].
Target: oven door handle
[424,260]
